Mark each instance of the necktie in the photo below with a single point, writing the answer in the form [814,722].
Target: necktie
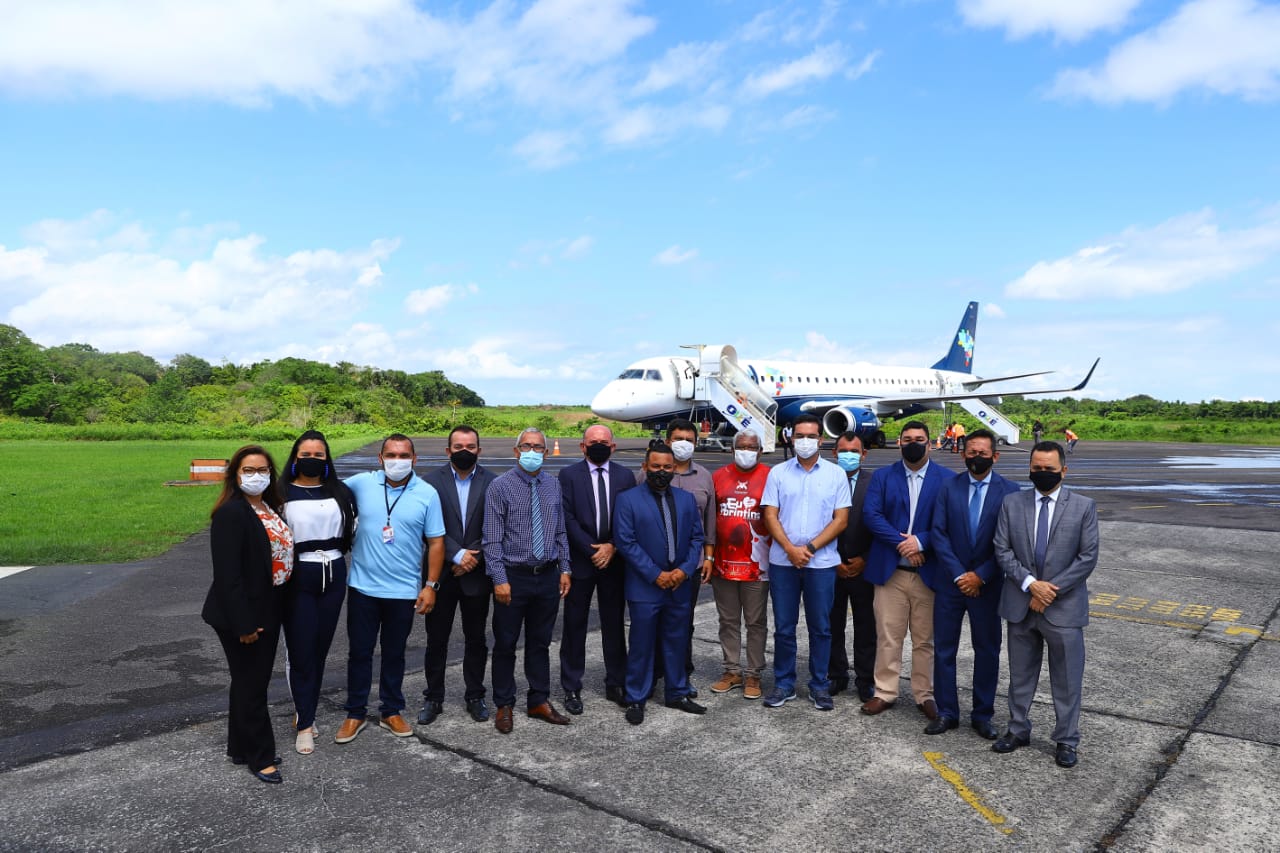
[602,508]
[1042,534]
[663,501]
[913,488]
[975,508]
[535,510]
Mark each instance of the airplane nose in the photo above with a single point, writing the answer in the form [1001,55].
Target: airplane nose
[610,402]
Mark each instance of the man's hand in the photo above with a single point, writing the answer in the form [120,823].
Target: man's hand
[502,593]
[908,546]
[970,584]
[426,601]
[251,638]
[851,568]
[470,559]
[603,554]
[677,577]
[566,580]
[916,560]
[1036,605]
[664,580]
[1043,593]
[707,566]
[798,556]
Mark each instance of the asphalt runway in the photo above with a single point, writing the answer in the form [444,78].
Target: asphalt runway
[112,693]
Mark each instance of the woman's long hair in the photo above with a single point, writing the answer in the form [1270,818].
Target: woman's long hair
[231,479]
[330,485]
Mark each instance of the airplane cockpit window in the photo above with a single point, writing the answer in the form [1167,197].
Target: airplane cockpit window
[652,376]
[631,373]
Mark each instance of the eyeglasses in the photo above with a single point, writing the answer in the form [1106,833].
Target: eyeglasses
[251,471]
[535,448]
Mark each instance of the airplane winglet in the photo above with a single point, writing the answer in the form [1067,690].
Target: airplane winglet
[1089,376]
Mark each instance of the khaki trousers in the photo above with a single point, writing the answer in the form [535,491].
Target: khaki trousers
[904,603]
[736,600]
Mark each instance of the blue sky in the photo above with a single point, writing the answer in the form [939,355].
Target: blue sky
[531,195]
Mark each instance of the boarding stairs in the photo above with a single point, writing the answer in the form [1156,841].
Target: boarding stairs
[723,383]
[1005,429]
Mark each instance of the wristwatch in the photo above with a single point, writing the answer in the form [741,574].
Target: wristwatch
[435,585]
[809,547]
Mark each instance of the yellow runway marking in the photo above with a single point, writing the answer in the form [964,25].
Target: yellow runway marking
[1230,630]
[975,802]
[1151,506]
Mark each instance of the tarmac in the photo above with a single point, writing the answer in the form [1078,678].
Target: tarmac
[113,697]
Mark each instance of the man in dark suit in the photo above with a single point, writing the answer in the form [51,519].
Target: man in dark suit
[968,581]
[899,511]
[854,594]
[658,530]
[1047,546]
[462,483]
[590,489]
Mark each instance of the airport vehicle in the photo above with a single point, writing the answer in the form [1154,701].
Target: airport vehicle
[760,394]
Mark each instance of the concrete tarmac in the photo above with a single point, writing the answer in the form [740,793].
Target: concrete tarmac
[112,693]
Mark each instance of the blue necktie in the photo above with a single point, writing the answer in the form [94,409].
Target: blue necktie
[1042,534]
[535,509]
[975,509]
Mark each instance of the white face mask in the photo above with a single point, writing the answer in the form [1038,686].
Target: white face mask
[397,469]
[745,459]
[682,450]
[254,484]
[806,448]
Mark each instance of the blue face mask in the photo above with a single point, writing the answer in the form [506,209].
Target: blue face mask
[530,460]
[849,460]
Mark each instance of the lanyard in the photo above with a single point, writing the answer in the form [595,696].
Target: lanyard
[390,504]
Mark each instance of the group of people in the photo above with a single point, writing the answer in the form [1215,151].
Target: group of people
[910,548]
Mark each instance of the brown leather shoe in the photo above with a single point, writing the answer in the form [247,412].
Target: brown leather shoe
[929,708]
[396,725]
[502,720]
[875,705]
[751,689]
[350,727]
[546,711]
[727,682]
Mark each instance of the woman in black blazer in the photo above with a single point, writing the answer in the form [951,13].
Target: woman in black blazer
[252,560]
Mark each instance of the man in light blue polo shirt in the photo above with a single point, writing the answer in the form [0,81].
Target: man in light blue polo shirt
[399,513]
[806,506]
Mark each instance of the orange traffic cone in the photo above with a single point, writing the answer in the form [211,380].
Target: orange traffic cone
[555,448]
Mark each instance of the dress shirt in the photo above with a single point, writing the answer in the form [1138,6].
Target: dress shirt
[463,485]
[806,501]
[1041,507]
[508,523]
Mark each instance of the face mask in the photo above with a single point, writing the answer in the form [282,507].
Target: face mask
[914,451]
[254,484]
[659,480]
[463,460]
[599,453]
[531,461]
[745,459]
[682,450]
[979,465]
[849,460]
[397,469]
[1045,481]
[806,448]
[310,466]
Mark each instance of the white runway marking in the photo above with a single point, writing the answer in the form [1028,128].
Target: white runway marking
[5,571]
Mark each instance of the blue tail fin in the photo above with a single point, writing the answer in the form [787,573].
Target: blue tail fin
[960,357]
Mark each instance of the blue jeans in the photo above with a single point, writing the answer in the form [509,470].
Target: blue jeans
[367,618]
[786,586]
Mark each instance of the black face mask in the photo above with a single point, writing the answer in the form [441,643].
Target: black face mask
[310,466]
[659,480]
[914,451]
[599,453]
[978,465]
[463,460]
[1045,481]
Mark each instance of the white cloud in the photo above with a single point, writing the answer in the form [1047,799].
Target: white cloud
[1071,20]
[578,247]
[1175,255]
[547,149]
[673,255]
[647,124]
[485,358]
[823,62]
[435,298]
[992,310]
[687,64]
[1226,47]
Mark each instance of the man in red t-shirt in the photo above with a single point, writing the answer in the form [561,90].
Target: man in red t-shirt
[740,573]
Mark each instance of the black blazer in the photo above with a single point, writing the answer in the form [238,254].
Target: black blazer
[242,598]
[474,582]
[577,490]
[855,539]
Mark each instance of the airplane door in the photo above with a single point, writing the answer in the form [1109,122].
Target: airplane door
[686,376]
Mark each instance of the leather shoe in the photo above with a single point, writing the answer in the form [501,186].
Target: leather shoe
[546,711]
[940,725]
[350,727]
[478,710]
[502,721]
[686,704]
[985,729]
[1008,743]
[839,685]
[875,705]
[616,695]
[635,713]
[1066,755]
[573,702]
[929,708]
[274,777]
[430,710]
[396,725]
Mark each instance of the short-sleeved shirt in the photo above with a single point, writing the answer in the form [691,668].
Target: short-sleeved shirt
[742,543]
[806,501]
[392,570]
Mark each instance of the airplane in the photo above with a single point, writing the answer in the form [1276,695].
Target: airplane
[759,394]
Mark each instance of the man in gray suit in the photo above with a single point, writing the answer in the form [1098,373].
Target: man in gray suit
[1047,546]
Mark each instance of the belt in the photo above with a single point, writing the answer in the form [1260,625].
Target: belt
[534,568]
[912,569]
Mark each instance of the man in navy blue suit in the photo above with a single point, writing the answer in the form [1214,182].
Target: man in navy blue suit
[590,489]
[899,512]
[968,581]
[659,531]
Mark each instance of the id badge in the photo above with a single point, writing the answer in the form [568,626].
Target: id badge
[388,535]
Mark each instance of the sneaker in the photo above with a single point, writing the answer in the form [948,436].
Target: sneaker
[821,700]
[727,682]
[777,698]
[751,689]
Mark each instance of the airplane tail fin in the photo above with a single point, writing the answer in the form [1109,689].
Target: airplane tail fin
[960,356]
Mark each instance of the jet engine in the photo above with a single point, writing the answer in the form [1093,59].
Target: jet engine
[838,421]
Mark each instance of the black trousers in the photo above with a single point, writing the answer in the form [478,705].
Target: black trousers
[854,595]
[475,656]
[535,602]
[607,584]
[249,733]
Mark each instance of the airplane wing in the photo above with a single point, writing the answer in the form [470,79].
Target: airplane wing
[910,399]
